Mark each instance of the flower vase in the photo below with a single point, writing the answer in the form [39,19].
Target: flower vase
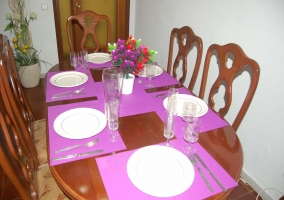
[128,83]
[29,75]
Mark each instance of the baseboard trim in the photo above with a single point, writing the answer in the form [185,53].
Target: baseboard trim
[264,195]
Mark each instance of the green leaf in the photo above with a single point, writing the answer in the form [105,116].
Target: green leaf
[24,28]
[8,27]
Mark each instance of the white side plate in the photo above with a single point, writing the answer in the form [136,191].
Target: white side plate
[68,79]
[79,123]
[99,57]
[202,107]
[159,71]
[160,171]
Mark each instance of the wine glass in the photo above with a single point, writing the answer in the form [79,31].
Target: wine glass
[111,107]
[139,75]
[74,59]
[191,134]
[169,125]
[189,110]
[84,60]
[150,74]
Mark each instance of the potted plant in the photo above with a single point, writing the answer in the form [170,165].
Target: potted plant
[130,56]
[26,57]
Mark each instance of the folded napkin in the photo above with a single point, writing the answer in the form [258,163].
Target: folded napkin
[114,167]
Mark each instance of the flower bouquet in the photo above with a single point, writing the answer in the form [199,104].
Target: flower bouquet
[24,53]
[130,55]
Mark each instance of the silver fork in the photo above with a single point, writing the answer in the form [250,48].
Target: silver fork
[88,144]
[194,163]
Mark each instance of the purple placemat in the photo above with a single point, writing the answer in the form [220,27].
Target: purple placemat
[140,102]
[114,167]
[89,88]
[59,142]
[99,65]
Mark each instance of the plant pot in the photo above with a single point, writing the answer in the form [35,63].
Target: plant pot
[128,83]
[30,75]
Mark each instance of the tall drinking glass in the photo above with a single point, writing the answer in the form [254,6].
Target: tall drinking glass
[84,60]
[172,99]
[74,59]
[169,125]
[112,79]
[112,117]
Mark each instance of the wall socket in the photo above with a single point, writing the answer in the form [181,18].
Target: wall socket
[44,6]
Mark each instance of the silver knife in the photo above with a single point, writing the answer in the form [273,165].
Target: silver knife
[210,172]
[205,179]
[159,95]
[78,154]
[67,95]
[68,148]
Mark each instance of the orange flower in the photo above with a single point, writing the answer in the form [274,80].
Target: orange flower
[15,40]
[26,46]
[19,36]
[24,50]
[15,46]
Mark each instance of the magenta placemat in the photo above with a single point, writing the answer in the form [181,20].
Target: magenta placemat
[99,65]
[89,88]
[58,142]
[114,167]
[140,102]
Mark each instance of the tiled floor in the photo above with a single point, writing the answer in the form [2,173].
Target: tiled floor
[36,98]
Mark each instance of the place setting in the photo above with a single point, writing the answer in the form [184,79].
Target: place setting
[81,130]
[71,84]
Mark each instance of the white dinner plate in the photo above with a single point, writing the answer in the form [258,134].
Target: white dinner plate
[99,57]
[68,79]
[79,123]
[202,107]
[160,171]
[158,68]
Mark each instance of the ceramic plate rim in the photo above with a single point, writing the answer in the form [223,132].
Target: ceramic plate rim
[201,103]
[159,69]
[56,76]
[97,55]
[57,125]
[145,152]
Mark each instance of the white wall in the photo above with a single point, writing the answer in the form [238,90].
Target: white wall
[43,30]
[257,26]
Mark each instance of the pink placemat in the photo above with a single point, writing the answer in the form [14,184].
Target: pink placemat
[99,65]
[58,142]
[89,88]
[113,170]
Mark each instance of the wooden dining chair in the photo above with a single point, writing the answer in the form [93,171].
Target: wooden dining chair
[88,29]
[30,183]
[226,76]
[34,131]
[186,40]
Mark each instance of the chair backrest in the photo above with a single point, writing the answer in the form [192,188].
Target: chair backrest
[18,103]
[227,74]
[186,40]
[87,29]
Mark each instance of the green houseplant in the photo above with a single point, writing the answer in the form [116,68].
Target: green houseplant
[25,55]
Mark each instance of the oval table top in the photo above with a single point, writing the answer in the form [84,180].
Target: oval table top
[81,179]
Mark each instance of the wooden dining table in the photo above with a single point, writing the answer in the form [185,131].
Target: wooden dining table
[81,179]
